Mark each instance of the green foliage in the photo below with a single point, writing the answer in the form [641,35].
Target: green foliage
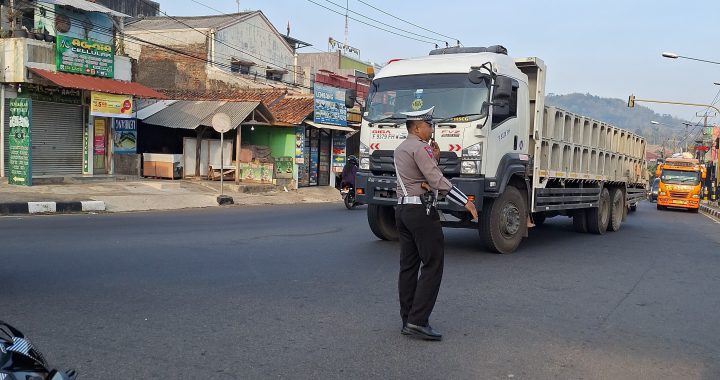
[617,113]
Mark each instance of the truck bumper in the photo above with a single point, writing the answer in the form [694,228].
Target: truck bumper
[381,190]
[681,203]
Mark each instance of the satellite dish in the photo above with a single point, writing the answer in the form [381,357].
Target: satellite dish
[221,122]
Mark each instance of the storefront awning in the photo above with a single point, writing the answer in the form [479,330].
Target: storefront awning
[84,5]
[110,86]
[328,126]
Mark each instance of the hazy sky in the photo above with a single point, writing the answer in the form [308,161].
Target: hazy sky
[609,48]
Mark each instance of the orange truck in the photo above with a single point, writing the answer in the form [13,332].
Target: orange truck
[680,182]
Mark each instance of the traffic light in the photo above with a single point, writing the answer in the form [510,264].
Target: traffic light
[631,101]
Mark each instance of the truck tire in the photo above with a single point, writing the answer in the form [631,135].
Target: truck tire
[695,210]
[617,209]
[382,222]
[539,218]
[661,207]
[503,222]
[598,218]
[580,221]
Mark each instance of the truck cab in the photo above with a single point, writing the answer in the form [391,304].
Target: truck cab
[680,182]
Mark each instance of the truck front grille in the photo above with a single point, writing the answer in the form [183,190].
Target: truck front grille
[679,194]
[381,161]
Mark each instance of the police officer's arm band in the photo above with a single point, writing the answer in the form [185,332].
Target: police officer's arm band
[457,196]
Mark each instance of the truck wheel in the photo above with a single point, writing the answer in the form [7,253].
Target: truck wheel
[661,207]
[695,210]
[503,222]
[580,221]
[539,218]
[382,222]
[599,217]
[617,209]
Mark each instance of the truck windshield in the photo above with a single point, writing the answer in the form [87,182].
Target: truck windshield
[680,177]
[451,94]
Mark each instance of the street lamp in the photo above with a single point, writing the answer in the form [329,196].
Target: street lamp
[676,56]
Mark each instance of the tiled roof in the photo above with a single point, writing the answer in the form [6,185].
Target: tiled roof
[201,22]
[265,96]
[110,86]
[292,109]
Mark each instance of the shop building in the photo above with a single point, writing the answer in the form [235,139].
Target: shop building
[76,93]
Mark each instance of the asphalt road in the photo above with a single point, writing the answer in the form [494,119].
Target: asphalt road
[307,292]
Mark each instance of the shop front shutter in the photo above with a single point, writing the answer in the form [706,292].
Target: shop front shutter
[57,138]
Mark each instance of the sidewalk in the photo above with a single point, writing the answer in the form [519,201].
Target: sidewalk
[710,208]
[150,194]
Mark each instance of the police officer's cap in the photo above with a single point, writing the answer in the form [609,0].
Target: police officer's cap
[424,115]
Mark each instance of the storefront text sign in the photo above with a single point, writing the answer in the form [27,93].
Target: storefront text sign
[19,142]
[125,136]
[110,105]
[84,57]
[329,105]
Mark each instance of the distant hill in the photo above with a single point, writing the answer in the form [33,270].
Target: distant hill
[617,113]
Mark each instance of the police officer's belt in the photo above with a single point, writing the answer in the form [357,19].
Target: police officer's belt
[416,200]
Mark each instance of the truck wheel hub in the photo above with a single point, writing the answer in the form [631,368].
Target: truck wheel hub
[510,220]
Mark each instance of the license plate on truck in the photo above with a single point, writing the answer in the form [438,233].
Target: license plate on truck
[677,202]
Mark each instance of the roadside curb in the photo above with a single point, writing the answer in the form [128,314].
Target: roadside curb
[710,211]
[50,207]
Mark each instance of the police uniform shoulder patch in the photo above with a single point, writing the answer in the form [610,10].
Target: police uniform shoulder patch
[429,151]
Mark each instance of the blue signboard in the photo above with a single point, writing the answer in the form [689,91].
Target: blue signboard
[330,105]
[125,136]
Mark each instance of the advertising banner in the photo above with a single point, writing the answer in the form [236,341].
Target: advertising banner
[19,142]
[284,167]
[300,145]
[125,136]
[84,57]
[99,134]
[110,105]
[338,151]
[329,105]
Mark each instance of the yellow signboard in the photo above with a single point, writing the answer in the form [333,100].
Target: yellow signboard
[110,105]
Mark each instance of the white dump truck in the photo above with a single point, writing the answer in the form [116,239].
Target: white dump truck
[520,161]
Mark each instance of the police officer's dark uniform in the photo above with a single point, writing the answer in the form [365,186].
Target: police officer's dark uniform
[420,232]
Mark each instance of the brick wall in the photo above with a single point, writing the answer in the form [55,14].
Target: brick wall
[164,69]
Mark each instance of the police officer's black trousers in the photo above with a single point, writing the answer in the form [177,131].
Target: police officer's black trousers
[421,242]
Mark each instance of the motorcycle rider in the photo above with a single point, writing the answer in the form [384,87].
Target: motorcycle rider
[348,173]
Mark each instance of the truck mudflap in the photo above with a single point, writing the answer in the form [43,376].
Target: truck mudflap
[381,190]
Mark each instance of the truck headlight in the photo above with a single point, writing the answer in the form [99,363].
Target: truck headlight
[365,163]
[470,167]
[662,193]
[696,196]
[473,152]
[364,150]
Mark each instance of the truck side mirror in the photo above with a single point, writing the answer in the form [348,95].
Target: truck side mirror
[350,98]
[658,170]
[503,88]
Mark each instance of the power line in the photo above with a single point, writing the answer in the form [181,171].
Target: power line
[408,22]
[382,23]
[374,26]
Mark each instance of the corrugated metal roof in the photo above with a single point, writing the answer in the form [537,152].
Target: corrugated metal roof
[199,22]
[266,96]
[85,6]
[328,126]
[110,86]
[184,114]
[237,111]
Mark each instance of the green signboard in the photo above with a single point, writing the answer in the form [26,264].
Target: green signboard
[51,94]
[283,167]
[84,57]
[19,144]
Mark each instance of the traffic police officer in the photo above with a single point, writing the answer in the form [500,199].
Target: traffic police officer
[418,223]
